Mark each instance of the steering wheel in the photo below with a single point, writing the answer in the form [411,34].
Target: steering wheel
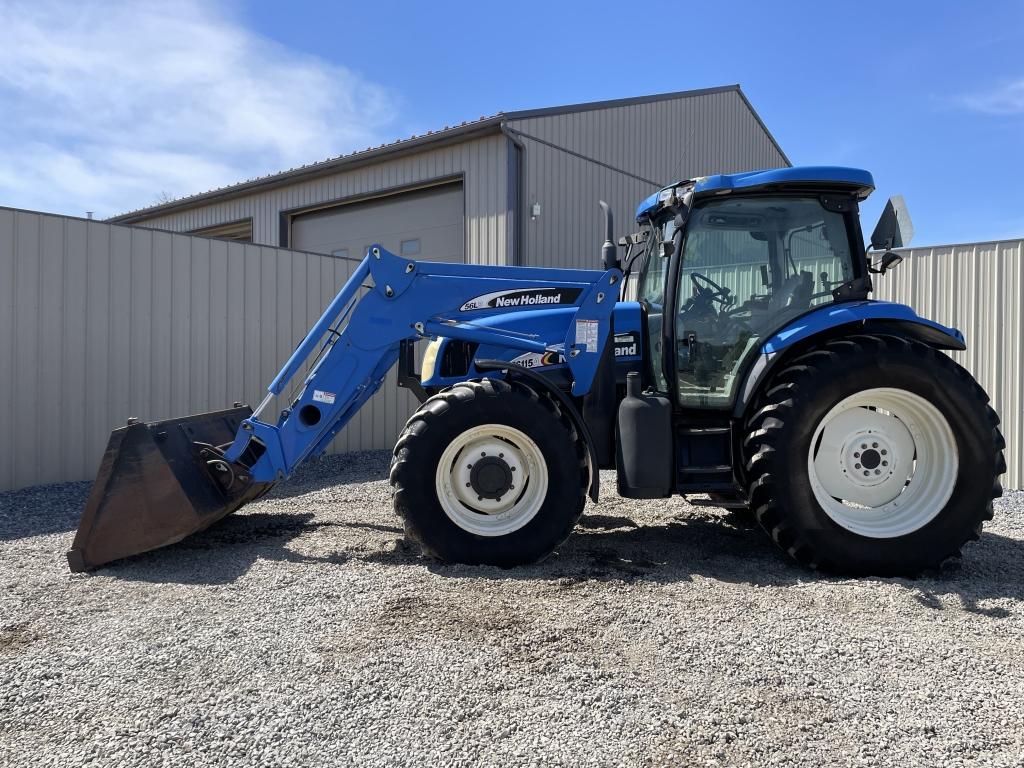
[709,289]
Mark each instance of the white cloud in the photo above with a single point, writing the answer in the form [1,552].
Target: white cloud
[106,106]
[1008,99]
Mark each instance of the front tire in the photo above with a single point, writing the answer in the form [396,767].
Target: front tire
[489,472]
[873,455]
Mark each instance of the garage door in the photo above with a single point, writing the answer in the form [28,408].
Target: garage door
[425,224]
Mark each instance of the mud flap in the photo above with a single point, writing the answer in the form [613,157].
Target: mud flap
[158,483]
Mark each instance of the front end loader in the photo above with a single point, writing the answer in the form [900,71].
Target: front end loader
[752,368]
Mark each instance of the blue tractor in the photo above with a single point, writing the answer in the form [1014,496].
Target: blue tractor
[750,366]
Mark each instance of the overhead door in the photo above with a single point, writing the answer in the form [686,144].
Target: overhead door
[425,224]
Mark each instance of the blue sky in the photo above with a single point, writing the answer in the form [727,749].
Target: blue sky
[110,107]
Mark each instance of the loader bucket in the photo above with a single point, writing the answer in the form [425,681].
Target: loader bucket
[154,487]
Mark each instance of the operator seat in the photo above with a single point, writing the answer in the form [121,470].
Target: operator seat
[794,295]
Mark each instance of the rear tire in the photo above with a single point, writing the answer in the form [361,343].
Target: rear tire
[849,401]
[457,463]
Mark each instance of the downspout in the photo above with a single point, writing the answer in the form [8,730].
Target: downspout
[518,254]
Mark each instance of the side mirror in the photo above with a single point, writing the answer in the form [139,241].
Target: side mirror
[667,248]
[889,260]
[894,228]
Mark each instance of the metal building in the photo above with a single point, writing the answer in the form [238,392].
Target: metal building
[515,188]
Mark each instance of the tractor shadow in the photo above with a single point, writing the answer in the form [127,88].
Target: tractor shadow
[731,548]
[606,546]
[46,509]
[226,551]
[603,548]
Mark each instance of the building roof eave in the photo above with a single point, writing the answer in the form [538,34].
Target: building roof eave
[432,140]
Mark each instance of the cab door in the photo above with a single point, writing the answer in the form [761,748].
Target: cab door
[748,266]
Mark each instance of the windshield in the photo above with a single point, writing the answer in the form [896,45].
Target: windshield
[749,266]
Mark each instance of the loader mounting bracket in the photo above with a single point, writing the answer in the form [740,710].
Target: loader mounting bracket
[407,376]
[514,370]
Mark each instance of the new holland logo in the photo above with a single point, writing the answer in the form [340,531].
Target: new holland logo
[522,297]
[627,344]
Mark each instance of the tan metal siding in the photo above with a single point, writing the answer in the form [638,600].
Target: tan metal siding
[976,288]
[660,141]
[100,322]
[482,161]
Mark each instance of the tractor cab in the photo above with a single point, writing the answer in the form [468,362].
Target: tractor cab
[729,261]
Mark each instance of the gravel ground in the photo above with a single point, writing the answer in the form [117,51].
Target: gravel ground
[303,631]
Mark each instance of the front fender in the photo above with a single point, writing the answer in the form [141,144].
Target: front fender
[842,319]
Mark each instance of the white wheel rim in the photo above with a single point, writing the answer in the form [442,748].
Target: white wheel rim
[481,515]
[883,462]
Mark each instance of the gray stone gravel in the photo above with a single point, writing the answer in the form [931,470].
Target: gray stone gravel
[303,631]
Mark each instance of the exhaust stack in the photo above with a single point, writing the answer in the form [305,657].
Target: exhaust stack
[609,251]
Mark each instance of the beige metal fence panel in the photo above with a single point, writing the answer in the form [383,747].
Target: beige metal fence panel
[100,322]
[976,288]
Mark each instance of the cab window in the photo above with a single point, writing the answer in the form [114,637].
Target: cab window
[651,294]
[749,265]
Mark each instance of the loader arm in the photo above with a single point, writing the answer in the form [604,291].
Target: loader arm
[159,482]
[359,339]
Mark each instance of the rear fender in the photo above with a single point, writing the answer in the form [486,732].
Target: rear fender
[841,320]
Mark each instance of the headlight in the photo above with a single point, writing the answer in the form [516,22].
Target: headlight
[430,359]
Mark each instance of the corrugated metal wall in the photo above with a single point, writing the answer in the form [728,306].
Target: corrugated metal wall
[100,322]
[976,288]
[661,141]
[483,161]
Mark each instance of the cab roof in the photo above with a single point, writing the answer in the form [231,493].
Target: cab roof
[855,179]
